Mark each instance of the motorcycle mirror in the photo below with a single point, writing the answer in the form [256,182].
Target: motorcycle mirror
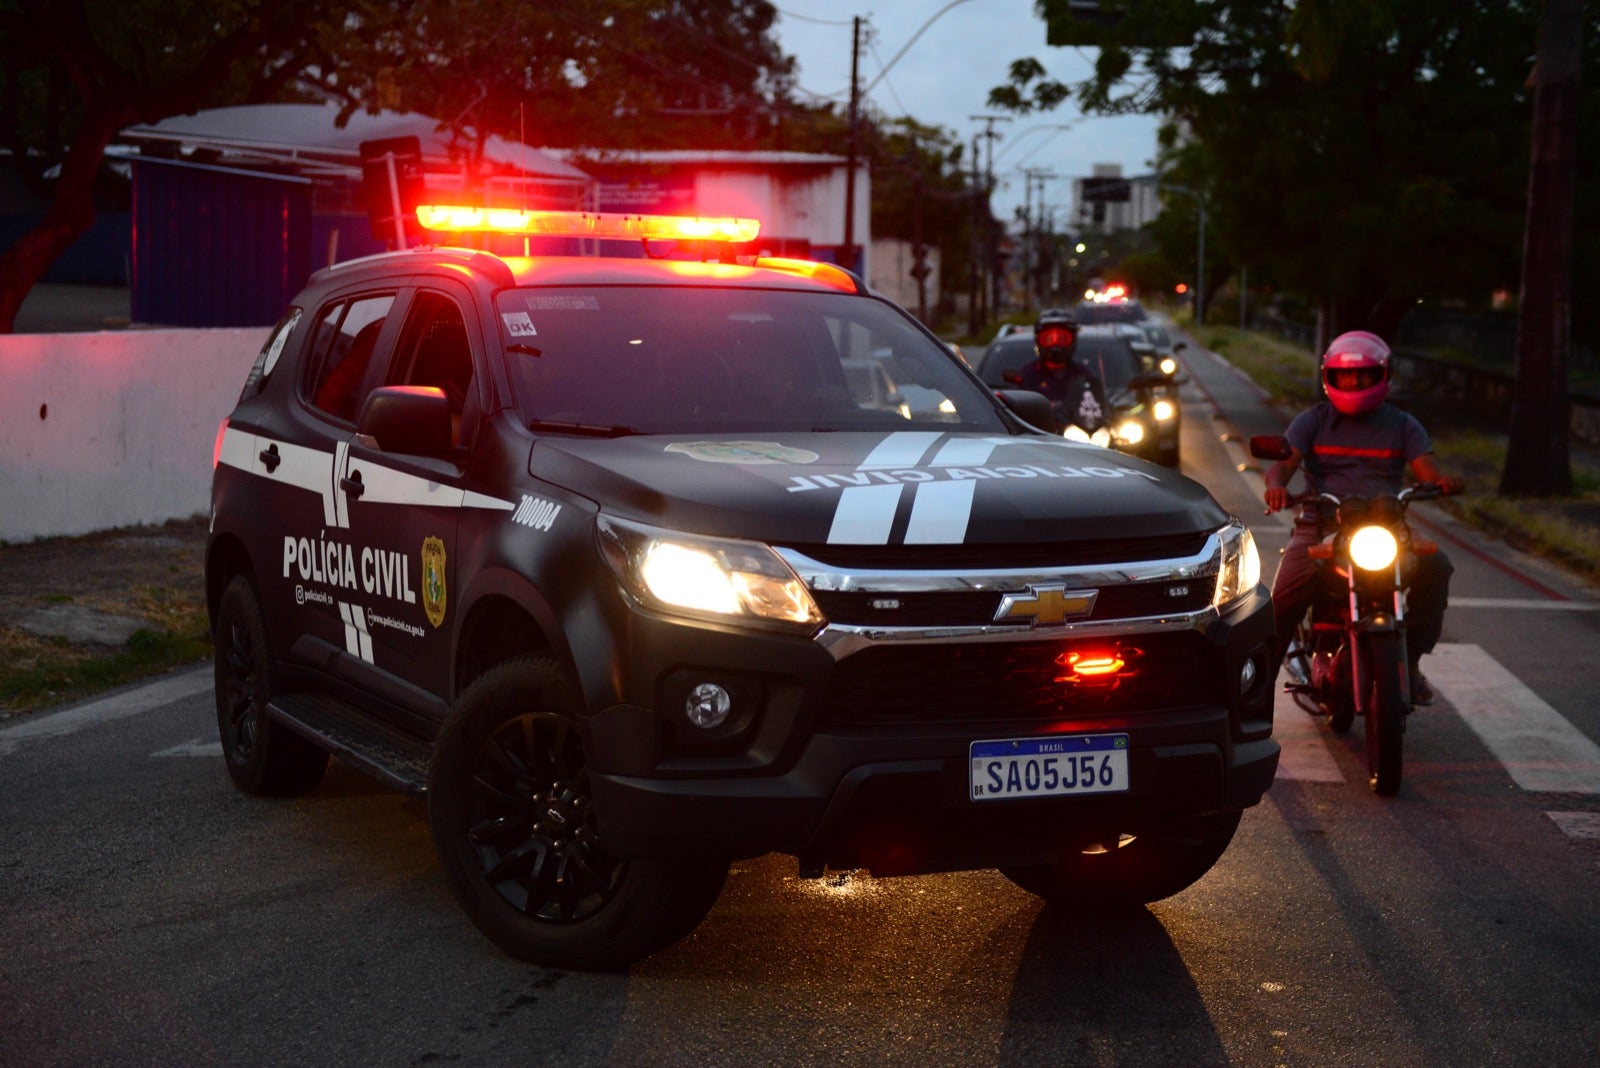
[1270,447]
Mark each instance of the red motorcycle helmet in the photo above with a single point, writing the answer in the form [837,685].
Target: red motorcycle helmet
[1055,337]
[1365,357]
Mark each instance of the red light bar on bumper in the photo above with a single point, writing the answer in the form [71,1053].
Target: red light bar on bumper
[458,218]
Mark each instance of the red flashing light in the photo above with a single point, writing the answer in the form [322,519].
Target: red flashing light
[457,218]
[216,448]
[1180,289]
[1099,665]
[826,273]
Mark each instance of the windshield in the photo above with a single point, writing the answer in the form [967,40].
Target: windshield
[675,359]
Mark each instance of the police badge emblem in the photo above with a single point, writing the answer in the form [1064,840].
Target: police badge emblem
[433,591]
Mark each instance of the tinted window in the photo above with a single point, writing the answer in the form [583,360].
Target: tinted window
[342,350]
[433,351]
[659,359]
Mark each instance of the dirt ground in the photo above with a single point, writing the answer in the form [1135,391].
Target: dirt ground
[77,614]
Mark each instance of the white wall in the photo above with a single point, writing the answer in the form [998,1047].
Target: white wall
[113,429]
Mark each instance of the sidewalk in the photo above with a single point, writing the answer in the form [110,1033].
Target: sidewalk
[52,308]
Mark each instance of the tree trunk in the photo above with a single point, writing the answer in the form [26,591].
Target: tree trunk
[69,214]
[1538,462]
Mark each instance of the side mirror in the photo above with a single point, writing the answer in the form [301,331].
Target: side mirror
[1270,447]
[414,420]
[1180,346]
[1031,407]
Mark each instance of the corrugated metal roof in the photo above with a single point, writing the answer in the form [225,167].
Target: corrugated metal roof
[306,134]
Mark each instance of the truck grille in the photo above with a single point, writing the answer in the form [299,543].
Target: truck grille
[977,608]
[992,682]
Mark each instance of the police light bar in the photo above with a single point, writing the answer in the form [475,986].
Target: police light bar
[457,218]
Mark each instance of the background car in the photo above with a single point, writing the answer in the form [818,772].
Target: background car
[1092,312]
[1147,417]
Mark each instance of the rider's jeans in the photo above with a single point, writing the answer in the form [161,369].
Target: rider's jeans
[1295,587]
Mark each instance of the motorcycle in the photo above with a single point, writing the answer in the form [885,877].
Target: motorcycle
[1348,657]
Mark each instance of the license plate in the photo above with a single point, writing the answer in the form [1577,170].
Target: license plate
[1049,767]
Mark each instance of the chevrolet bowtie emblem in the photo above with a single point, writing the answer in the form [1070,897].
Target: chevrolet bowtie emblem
[1046,605]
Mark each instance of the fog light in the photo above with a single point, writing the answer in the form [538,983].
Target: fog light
[1247,675]
[708,705]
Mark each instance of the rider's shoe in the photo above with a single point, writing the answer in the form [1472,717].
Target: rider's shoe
[1421,689]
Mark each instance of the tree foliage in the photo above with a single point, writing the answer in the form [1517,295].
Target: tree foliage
[1366,153]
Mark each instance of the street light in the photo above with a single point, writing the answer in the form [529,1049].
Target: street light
[1200,255]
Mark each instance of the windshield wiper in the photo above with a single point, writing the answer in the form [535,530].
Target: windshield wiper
[585,429]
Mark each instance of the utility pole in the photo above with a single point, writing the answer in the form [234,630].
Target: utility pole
[991,135]
[1030,176]
[850,165]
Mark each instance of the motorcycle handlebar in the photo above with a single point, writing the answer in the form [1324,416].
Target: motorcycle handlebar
[1422,491]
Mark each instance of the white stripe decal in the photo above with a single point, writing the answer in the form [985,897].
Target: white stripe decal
[939,513]
[903,448]
[1543,751]
[864,515]
[357,642]
[341,458]
[965,452]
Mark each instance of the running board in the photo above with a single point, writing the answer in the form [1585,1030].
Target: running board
[393,757]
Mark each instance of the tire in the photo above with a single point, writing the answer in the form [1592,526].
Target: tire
[1386,713]
[1341,701]
[1147,867]
[513,824]
[262,755]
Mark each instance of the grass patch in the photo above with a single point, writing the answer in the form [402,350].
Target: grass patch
[1286,371]
[39,672]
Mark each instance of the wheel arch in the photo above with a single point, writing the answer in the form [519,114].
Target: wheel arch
[226,557]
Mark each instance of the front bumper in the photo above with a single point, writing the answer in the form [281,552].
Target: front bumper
[838,784]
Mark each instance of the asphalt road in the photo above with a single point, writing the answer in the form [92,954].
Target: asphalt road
[149,913]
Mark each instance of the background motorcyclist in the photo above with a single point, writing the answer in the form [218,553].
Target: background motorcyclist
[1354,444]
[1075,391]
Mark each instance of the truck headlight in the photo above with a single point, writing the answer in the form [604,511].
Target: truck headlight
[1241,565]
[706,578]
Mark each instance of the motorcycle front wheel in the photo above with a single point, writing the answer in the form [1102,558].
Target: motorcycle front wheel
[1386,712]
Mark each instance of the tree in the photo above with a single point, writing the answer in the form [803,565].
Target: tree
[76,72]
[617,73]
[1366,154]
[1537,459]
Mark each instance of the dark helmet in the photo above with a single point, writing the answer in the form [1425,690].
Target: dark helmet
[1055,337]
[1368,356]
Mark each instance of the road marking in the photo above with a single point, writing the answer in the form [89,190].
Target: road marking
[1543,751]
[122,705]
[195,747]
[1515,602]
[1301,738]
[1577,824]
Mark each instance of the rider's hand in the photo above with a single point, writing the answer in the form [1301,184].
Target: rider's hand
[1277,498]
[1450,485]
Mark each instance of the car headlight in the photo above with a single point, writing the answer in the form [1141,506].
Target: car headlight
[1168,365]
[706,578]
[1241,565]
[1164,411]
[1373,548]
[1130,431]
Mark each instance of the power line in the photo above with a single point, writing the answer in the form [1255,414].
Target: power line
[808,18]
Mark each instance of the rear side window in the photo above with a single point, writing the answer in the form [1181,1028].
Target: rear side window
[342,349]
[267,358]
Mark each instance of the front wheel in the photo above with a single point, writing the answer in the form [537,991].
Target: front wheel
[512,819]
[1386,713]
[1133,870]
[262,756]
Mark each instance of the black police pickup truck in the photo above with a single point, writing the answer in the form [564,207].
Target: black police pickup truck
[618,563]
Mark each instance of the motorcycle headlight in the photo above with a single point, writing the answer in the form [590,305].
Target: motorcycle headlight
[1169,366]
[1373,548]
[705,578]
[1164,410]
[1241,565]
[1130,431]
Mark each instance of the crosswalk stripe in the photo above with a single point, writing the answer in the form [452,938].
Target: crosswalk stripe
[1543,751]
[1301,738]
[1535,603]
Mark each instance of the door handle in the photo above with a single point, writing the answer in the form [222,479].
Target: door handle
[352,485]
[269,456]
